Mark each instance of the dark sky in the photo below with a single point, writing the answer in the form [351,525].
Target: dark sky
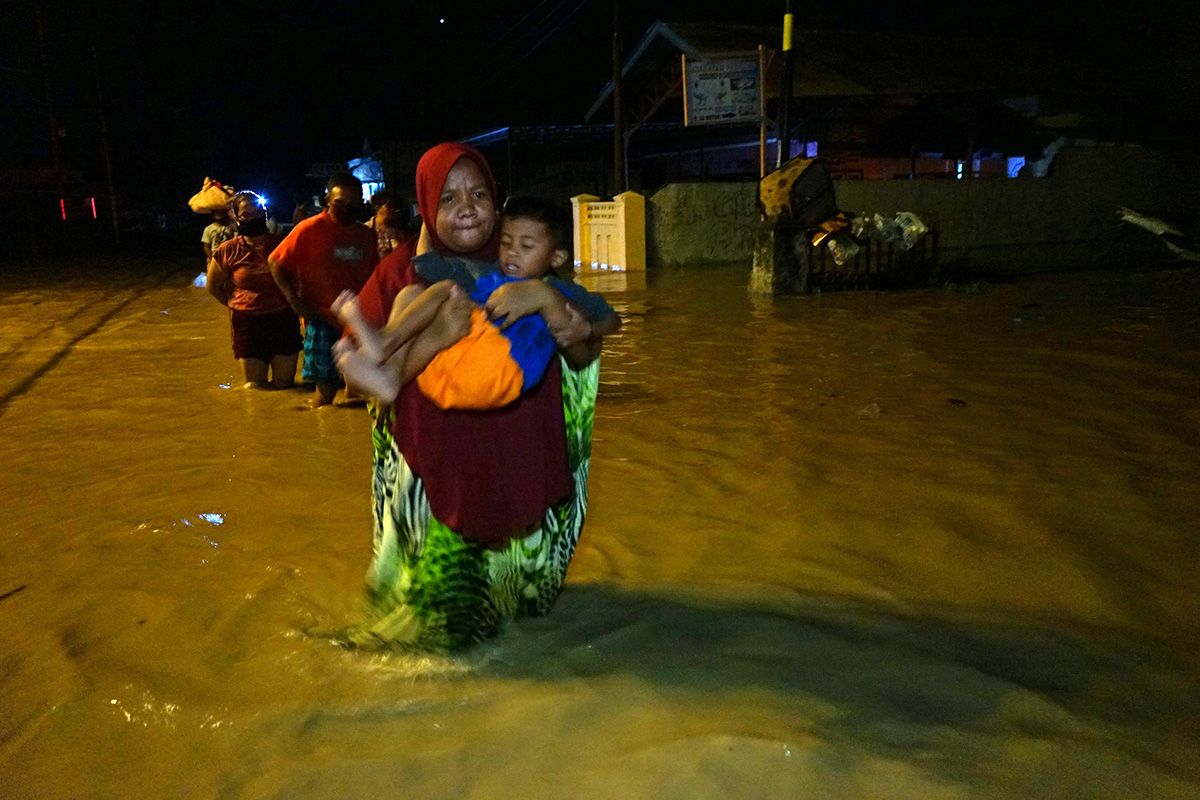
[255,92]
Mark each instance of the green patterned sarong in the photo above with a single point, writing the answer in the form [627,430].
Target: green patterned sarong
[428,588]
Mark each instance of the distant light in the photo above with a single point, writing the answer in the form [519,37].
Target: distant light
[93,207]
[442,21]
[62,207]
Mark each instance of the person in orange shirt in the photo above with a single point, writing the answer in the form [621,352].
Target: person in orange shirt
[322,257]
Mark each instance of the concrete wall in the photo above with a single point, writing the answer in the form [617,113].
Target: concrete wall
[1063,219]
[687,223]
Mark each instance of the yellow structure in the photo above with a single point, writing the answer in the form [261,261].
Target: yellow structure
[610,236]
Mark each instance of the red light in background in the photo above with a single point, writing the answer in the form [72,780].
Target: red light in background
[62,207]
[93,207]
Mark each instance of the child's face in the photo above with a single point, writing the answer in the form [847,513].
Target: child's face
[526,249]
[466,214]
[385,217]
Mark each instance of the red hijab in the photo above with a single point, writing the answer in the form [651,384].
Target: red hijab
[432,171]
[490,475]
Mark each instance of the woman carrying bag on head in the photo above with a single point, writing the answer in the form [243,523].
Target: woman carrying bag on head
[264,329]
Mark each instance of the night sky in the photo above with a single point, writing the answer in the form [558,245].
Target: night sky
[255,92]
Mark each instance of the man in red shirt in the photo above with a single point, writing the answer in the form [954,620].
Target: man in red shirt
[323,256]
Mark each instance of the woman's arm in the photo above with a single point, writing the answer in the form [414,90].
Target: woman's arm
[581,326]
[217,282]
[580,341]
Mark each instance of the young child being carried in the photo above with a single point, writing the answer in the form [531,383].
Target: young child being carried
[502,355]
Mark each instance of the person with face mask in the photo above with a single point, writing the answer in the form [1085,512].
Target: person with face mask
[265,330]
[322,257]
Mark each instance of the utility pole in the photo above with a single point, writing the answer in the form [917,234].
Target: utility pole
[48,96]
[102,119]
[52,124]
[783,134]
[618,113]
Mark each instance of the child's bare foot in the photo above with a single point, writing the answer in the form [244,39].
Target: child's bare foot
[345,305]
[360,369]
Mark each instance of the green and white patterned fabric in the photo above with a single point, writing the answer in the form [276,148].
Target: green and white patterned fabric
[428,588]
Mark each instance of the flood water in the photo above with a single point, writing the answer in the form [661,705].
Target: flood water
[922,544]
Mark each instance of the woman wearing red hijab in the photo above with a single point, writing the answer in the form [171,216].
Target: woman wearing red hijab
[477,513]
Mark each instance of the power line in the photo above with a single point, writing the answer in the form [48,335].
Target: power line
[516,50]
[566,18]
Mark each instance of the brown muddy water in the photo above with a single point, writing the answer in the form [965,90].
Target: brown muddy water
[919,544]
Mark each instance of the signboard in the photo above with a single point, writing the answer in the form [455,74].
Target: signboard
[718,90]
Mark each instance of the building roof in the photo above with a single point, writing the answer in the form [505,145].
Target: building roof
[831,63]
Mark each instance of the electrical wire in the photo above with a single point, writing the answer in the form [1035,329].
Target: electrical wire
[515,50]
